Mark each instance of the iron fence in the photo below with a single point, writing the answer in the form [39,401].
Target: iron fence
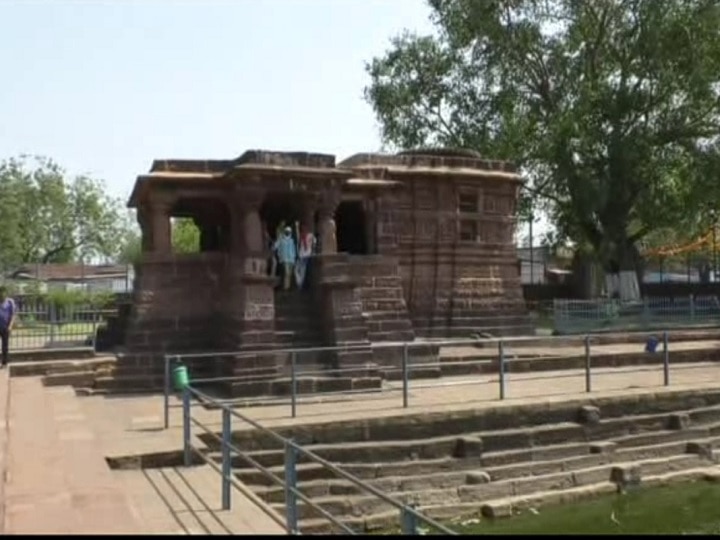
[44,324]
[409,518]
[604,314]
[495,365]
[295,378]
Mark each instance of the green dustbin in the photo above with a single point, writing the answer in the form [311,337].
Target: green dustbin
[180,378]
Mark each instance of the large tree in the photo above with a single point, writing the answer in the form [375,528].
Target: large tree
[611,107]
[48,217]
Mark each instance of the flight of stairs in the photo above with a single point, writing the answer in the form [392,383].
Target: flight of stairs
[297,323]
[453,469]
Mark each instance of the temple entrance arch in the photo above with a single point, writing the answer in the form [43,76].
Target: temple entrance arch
[352,227]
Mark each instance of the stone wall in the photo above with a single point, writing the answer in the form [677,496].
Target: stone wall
[454,287]
[383,300]
[176,303]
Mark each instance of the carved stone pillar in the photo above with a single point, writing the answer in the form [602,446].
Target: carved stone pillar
[307,213]
[145,223]
[326,224]
[246,229]
[252,230]
[158,222]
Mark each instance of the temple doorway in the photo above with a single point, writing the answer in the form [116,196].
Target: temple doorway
[278,208]
[351,228]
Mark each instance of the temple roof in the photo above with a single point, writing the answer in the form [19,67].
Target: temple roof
[435,162]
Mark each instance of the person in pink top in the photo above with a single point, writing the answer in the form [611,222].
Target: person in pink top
[305,249]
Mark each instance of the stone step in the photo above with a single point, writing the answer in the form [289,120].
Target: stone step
[391,335]
[617,420]
[369,504]
[453,473]
[376,324]
[386,315]
[305,385]
[129,383]
[298,338]
[53,367]
[76,379]
[292,323]
[389,520]
[560,441]
[482,363]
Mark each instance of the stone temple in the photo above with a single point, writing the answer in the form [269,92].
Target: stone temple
[411,246]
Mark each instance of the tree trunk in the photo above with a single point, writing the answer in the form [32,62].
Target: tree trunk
[585,274]
[621,278]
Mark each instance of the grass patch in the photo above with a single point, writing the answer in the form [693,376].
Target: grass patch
[690,508]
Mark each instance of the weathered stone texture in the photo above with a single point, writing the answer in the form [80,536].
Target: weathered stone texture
[176,304]
[452,286]
[442,228]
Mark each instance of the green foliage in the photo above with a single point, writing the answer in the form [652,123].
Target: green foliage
[185,239]
[185,236]
[611,107]
[79,298]
[131,248]
[50,218]
[65,298]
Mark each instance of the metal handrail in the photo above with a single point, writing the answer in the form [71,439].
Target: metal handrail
[353,346]
[410,517]
[501,357]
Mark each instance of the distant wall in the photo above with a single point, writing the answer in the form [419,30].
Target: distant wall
[543,292]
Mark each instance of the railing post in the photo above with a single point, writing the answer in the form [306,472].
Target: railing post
[166,397]
[405,375]
[588,382]
[692,307]
[187,458]
[226,458]
[666,359]
[293,384]
[95,316]
[501,368]
[291,514]
[53,321]
[409,521]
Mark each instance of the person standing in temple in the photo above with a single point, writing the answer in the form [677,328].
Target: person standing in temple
[273,248]
[7,320]
[286,253]
[305,249]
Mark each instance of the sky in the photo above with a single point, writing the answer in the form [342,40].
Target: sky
[105,87]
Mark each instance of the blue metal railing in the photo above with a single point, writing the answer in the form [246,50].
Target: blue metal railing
[502,358]
[606,314]
[409,518]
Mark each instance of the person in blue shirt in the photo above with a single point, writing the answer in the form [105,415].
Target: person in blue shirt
[286,254]
[7,320]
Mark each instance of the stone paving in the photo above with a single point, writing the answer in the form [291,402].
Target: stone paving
[56,479]
[53,445]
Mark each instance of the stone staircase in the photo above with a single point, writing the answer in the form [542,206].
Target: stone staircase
[297,324]
[383,302]
[459,471]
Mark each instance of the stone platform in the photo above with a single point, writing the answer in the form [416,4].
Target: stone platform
[55,445]
[103,375]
